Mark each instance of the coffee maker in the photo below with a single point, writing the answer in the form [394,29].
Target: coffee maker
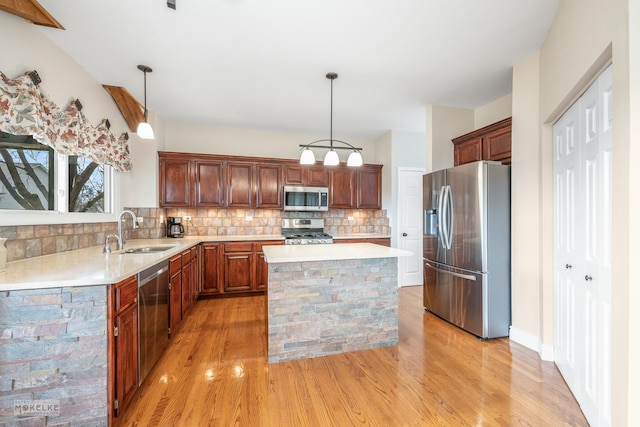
[174,226]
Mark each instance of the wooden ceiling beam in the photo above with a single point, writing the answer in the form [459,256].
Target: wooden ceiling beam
[30,10]
[131,109]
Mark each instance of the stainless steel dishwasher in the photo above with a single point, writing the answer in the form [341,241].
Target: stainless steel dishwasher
[153,321]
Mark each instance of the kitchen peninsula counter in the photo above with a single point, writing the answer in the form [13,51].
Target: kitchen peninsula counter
[328,299]
[90,266]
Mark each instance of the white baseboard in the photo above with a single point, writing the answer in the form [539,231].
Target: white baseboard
[531,341]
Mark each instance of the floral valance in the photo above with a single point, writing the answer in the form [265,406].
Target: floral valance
[26,110]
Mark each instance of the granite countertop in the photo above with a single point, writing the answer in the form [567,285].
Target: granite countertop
[90,266]
[302,253]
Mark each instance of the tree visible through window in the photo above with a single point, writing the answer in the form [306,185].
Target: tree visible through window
[28,177]
[26,173]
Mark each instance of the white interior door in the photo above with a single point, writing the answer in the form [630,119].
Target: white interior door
[582,248]
[410,225]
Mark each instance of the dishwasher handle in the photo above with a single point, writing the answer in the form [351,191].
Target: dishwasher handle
[151,273]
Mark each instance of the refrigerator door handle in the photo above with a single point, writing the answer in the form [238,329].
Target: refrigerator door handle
[441,223]
[452,273]
[447,217]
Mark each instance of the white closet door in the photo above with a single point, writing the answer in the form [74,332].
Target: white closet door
[582,249]
[568,237]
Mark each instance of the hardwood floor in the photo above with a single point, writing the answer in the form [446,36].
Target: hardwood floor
[215,373]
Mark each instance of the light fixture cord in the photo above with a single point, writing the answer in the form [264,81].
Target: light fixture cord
[331,118]
[145,96]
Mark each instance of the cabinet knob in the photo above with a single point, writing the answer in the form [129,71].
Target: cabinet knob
[568,266]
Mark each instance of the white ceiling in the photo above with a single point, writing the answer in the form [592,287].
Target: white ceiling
[262,64]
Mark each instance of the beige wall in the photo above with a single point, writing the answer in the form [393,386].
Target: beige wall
[525,206]
[443,124]
[492,112]
[192,138]
[584,36]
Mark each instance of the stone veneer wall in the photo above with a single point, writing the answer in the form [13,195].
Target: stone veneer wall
[53,346]
[327,307]
[229,222]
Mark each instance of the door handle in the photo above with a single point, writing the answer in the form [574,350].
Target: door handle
[460,275]
[404,234]
[568,266]
[588,278]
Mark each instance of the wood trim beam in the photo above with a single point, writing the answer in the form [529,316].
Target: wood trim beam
[131,109]
[30,10]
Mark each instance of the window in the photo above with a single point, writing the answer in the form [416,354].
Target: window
[30,179]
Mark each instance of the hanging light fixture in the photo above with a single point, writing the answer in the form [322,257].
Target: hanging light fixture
[144,129]
[331,157]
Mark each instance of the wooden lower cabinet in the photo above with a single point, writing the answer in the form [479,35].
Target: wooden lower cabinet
[209,269]
[122,303]
[230,268]
[175,293]
[237,260]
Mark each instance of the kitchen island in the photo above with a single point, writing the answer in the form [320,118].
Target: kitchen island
[328,299]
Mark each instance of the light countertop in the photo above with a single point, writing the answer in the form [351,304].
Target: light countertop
[361,236]
[302,253]
[90,266]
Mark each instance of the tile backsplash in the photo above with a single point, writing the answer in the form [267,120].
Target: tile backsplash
[27,241]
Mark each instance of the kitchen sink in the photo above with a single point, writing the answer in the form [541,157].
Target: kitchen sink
[148,249]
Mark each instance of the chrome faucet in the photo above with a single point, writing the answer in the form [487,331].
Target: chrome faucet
[107,246]
[121,240]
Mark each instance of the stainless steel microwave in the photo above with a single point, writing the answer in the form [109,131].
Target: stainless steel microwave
[306,198]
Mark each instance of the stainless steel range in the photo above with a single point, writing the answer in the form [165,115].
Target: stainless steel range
[304,231]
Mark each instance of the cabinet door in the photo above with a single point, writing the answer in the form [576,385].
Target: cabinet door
[268,186]
[126,356]
[209,184]
[342,188]
[317,176]
[369,188]
[238,267]
[175,183]
[175,301]
[186,288]
[294,174]
[240,185]
[210,259]
[195,275]
[468,151]
[262,267]
[496,145]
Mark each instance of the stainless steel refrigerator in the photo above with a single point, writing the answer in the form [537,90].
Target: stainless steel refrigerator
[467,249]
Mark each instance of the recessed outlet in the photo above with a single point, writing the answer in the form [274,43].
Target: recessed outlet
[350,218]
[140,219]
[249,217]
[187,218]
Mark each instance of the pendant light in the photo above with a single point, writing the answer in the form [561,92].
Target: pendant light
[144,128]
[331,157]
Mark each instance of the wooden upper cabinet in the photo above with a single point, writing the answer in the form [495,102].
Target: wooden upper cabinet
[491,142]
[369,187]
[209,183]
[342,188]
[216,181]
[240,189]
[268,185]
[497,145]
[317,176]
[294,174]
[312,176]
[468,151]
[175,183]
